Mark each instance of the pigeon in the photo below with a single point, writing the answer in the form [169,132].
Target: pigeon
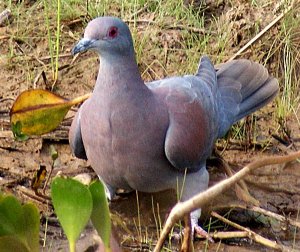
[155,136]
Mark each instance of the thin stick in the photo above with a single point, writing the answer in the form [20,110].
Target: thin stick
[275,216]
[241,188]
[182,208]
[80,99]
[229,235]
[38,197]
[252,235]
[60,56]
[4,37]
[266,213]
[186,243]
[48,179]
[253,40]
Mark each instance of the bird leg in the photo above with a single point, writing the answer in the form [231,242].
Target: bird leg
[191,230]
[198,231]
[109,190]
[193,184]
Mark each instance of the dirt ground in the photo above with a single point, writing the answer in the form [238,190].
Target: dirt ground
[277,188]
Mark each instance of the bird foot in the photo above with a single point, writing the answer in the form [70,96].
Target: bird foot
[199,232]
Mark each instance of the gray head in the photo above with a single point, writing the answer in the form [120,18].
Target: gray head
[106,36]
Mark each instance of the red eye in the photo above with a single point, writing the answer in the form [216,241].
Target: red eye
[112,32]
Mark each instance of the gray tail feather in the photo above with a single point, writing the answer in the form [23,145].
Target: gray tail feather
[206,72]
[243,87]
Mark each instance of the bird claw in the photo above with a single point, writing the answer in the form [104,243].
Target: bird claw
[199,232]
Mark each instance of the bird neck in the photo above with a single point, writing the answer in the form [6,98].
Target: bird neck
[119,72]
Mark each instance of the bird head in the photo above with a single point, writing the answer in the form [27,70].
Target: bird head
[106,36]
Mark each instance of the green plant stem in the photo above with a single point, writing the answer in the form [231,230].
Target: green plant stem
[57,40]
[72,246]
[107,249]
[49,34]
[79,99]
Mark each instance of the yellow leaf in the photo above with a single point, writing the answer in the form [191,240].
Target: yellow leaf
[36,112]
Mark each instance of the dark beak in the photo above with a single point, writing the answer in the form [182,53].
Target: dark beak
[83,45]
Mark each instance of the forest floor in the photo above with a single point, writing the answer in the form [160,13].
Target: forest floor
[169,39]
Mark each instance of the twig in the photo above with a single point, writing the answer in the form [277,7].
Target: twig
[252,235]
[36,79]
[60,56]
[275,216]
[140,21]
[241,188]
[7,99]
[38,197]
[182,208]
[75,21]
[4,37]
[266,213]
[32,57]
[17,40]
[48,179]
[270,25]
[229,235]
[186,243]
[184,27]
[74,58]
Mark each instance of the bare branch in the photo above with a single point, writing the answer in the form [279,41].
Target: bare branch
[183,208]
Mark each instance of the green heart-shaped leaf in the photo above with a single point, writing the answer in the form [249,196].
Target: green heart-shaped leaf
[19,225]
[73,205]
[12,243]
[100,215]
[32,226]
[11,217]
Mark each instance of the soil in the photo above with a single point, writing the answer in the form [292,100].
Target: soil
[275,187]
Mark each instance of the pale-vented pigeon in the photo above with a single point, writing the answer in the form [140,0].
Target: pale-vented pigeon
[144,137]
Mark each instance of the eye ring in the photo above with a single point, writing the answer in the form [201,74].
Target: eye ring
[112,32]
